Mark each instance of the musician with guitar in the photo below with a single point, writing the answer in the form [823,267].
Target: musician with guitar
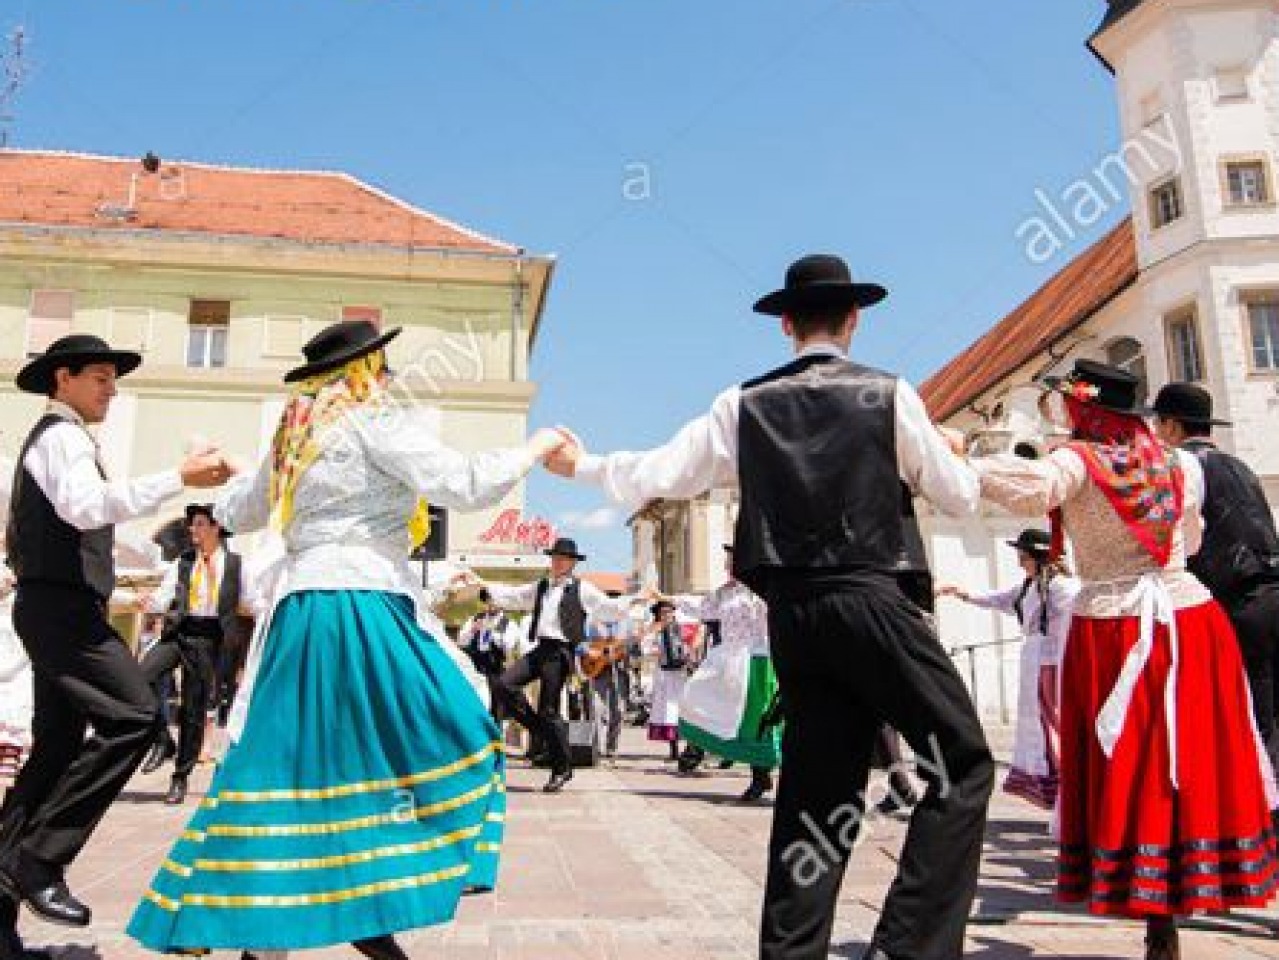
[603,663]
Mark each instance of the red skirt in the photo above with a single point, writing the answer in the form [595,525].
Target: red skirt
[1131,844]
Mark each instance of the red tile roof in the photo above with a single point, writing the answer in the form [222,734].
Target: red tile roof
[76,190]
[607,581]
[1064,303]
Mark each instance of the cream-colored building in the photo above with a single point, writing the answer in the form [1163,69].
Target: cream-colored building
[1185,289]
[678,545]
[219,275]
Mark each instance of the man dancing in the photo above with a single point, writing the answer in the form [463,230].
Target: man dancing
[60,541]
[821,449]
[561,604]
[201,597]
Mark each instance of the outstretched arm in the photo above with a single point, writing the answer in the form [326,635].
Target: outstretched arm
[703,454]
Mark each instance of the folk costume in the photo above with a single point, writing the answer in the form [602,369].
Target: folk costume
[560,607]
[821,449]
[60,542]
[200,597]
[16,686]
[1043,605]
[1163,782]
[725,702]
[1239,557]
[665,642]
[365,791]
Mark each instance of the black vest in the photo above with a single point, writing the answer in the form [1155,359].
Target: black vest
[1240,546]
[572,613]
[44,548]
[817,467]
[228,591]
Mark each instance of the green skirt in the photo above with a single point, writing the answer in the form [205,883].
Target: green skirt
[750,746]
[365,795]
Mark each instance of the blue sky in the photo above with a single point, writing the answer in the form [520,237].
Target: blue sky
[908,135]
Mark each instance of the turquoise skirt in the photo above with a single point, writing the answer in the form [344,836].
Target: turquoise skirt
[365,795]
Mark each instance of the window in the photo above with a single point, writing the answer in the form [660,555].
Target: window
[1185,356]
[49,318]
[1127,354]
[1247,183]
[1165,203]
[372,314]
[1263,332]
[1231,84]
[209,321]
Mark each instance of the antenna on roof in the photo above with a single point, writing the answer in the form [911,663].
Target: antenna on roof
[13,71]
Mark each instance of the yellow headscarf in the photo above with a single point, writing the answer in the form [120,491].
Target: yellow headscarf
[318,402]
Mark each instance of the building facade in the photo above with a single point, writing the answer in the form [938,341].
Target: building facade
[678,545]
[219,275]
[1186,289]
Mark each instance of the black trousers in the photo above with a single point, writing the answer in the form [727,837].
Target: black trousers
[84,676]
[850,658]
[195,647]
[1255,616]
[549,663]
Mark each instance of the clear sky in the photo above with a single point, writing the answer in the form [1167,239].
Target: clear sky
[674,155]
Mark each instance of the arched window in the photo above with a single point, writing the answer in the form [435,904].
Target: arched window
[1127,353]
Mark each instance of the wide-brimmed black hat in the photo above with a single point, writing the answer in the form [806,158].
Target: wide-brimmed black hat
[340,343]
[820,281]
[1187,402]
[1037,542]
[1102,384]
[75,348]
[564,547]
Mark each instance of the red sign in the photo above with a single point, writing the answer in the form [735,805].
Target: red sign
[511,528]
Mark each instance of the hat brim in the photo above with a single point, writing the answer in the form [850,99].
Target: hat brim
[332,363]
[820,296]
[1029,547]
[1193,421]
[37,376]
[564,553]
[1056,384]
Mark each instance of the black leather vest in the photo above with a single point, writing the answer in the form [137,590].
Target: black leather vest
[44,548]
[228,591]
[572,613]
[1240,547]
[817,467]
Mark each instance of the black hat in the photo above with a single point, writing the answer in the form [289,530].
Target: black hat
[564,547]
[337,344]
[75,348]
[1037,542]
[1102,384]
[821,281]
[194,510]
[1187,402]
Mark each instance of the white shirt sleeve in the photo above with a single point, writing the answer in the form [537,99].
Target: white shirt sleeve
[167,592]
[925,461]
[64,466]
[404,445]
[245,503]
[514,597]
[702,455]
[1001,600]
[1192,521]
[600,606]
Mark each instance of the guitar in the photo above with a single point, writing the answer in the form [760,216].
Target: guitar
[602,655]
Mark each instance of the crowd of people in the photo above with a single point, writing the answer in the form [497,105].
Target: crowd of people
[1147,714]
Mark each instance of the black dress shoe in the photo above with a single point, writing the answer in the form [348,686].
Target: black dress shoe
[56,904]
[163,751]
[177,792]
[760,785]
[557,781]
[381,948]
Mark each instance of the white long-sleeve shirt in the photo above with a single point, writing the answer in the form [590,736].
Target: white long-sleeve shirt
[703,454]
[63,462]
[597,604]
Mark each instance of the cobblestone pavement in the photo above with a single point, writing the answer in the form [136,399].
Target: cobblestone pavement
[633,862]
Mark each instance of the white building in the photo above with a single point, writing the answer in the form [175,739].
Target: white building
[1186,289]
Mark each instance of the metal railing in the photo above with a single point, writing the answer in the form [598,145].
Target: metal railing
[974,685]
